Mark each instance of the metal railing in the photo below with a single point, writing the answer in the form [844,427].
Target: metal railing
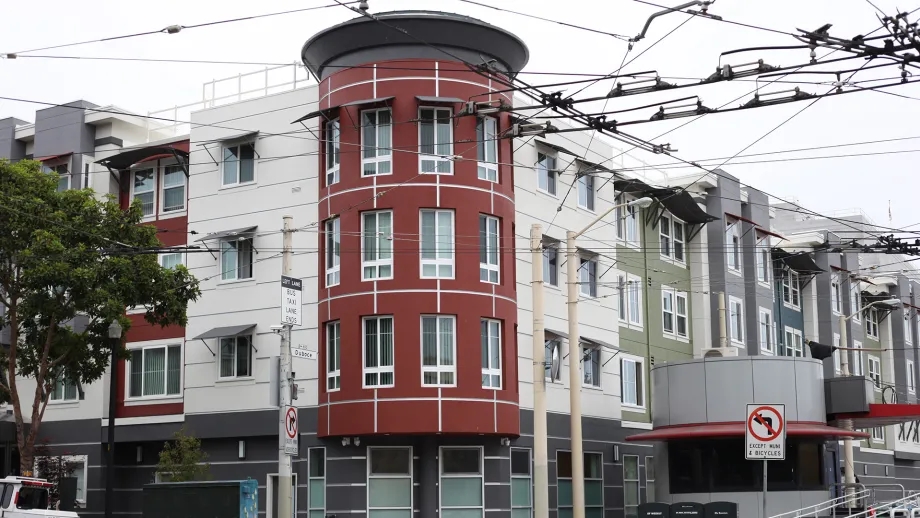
[815,511]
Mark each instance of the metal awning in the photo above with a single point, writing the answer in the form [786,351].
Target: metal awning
[557,148]
[324,113]
[246,135]
[592,167]
[51,157]
[769,233]
[800,262]
[220,332]
[720,430]
[557,333]
[741,218]
[439,100]
[126,159]
[599,343]
[883,414]
[368,101]
[678,201]
[228,233]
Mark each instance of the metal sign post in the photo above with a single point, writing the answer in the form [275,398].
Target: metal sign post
[765,438]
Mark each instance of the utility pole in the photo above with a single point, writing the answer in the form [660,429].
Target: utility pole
[578,459]
[849,477]
[285,493]
[540,463]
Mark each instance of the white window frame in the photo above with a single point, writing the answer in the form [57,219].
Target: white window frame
[878,434]
[480,476]
[239,145]
[71,459]
[332,232]
[628,229]
[835,294]
[164,255]
[62,383]
[333,145]
[911,378]
[378,157]
[489,371]
[859,367]
[548,175]
[668,239]
[437,158]
[675,296]
[587,193]
[797,343]
[333,356]
[489,267]
[519,476]
[629,285]
[440,242]
[153,189]
[225,274]
[161,183]
[441,365]
[872,322]
[908,338]
[236,348]
[874,372]
[734,249]
[487,135]
[550,256]
[764,260]
[792,286]
[639,382]
[855,300]
[588,354]
[770,346]
[732,302]
[378,261]
[143,347]
[379,369]
[838,366]
[410,476]
[587,287]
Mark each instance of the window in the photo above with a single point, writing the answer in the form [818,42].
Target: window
[875,371]
[435,140]
[872,323]
[791,289]
[594,482]
[550,262]
[333,251]
[837,365]
[591,365]
[389,483]
[546,173]
[650,479]
[627,222]
[633,386]
[378,352]
[145,190]
[155,371]
[858,367]
[438,351]
[855,300]
[878,434]
[793,343]
[236,259]
[733,243]
[586,191]
[682,306]
[63,390]
[764,259]
[587,276]
[736,319]
[550,356]
[437,244]
[236,357]
[911,380]
[333,356]
[631,485]
[333,149]
[173,188]
[487,149]
[765,322]
[461,482]
[488,249]
[239,164]
[521,485]
[172,259]
[629,291]
[907,334]
[491,346]
[835,293]
[671,238]
[667,310]
[377,245]
[673,312]
[317,482]
[62,173]
[376,138]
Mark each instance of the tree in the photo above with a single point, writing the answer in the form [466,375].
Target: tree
[69,254]
[53,469]
[183,459]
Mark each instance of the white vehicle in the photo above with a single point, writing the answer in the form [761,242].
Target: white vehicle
[27,497]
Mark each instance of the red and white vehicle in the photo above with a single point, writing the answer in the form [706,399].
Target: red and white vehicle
[27,497]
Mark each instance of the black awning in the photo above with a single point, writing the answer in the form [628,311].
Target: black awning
[220,332]
[368,101]
[126,159]
[557,148]
[800,262]
[246,135]
[678,201]
[438,100]
[324,113]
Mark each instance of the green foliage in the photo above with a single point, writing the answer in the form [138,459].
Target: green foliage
[183,459]
[53,469]
[64,254]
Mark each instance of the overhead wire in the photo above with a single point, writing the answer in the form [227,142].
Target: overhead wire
[557,22]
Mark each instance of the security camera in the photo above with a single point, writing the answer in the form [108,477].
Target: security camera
[276,329]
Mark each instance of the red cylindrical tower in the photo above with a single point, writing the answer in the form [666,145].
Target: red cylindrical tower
[417,298]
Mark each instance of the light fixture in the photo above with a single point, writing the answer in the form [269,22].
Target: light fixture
[115,330]
[140,454]
[890,302]
[865,469]
[616,453]
[886,471]
[242,450]
[357,441]
[506,441]
[641,202]
[346,441]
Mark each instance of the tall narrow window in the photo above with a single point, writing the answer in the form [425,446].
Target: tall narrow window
[679,229]
[791,288]
[551,263]
[487,149]
[587,276]
[591,365]
[236,357]
[435,140]
[736,319]
[377,245]
[491,345]
[551,350]
[627,222]
[546,173]
[317,483]
[733,244]
[239,164]
[333,356]
[682,316]
[488,249]
[333,251]
[593,481]
[389,482]
[376,141]
[633,388]
[875,371]
[378,352]
[437,250]
[667,310]
[859,368]
[629,291]
[911,383]
[793,343]
[764,259]
[837,353]
[855,300]
[461,482]
[765,321]
[236,259]
[631,484]
[145,190]
[650,479]
[438,351]
[521,484]
[664,231]
[835,293]
[586,191]
[908,336]
[333,150]
[155,371]
[173,188]
[872,323]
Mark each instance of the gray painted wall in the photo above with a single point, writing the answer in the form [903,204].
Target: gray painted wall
[725,197]
[757,296]
[10,148]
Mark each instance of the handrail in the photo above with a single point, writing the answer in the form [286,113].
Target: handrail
[887,506]
[813,510]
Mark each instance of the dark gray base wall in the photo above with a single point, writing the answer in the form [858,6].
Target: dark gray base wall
[880,469]
[346,466]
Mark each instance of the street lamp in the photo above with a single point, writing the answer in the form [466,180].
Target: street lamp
[115,336]
[847,424]
[578,474]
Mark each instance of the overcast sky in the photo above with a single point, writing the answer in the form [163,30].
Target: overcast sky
[692,51]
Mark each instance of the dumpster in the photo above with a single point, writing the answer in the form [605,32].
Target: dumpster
[212,499]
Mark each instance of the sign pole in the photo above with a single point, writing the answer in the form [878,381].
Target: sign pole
[765,488]
[285,492]
[765,438]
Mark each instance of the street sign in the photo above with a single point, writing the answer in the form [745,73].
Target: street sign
[291,442]
[765,432]
[303,353]
[291,301]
